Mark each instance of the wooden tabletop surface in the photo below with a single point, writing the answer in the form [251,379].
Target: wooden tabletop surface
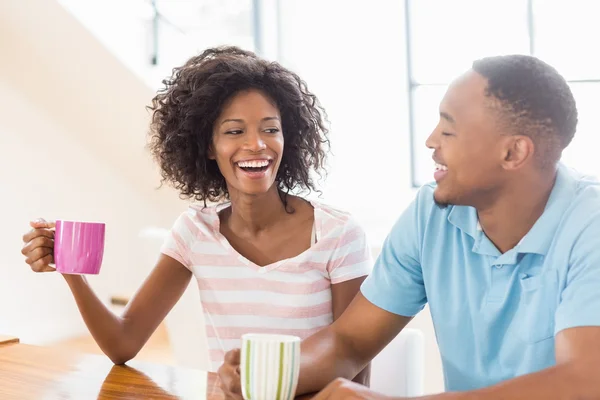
[8,340]
[44,373]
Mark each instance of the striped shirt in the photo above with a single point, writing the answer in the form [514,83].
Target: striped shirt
[291,296]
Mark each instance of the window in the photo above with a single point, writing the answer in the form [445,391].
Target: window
[183,28]
[153,36]
[444,37]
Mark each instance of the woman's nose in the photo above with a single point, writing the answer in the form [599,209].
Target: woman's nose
[254,141]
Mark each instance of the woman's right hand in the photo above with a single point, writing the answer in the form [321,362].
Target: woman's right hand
[39,246]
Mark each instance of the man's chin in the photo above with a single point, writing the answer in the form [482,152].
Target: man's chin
[440,200]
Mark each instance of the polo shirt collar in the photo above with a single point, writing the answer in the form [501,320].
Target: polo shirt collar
[539,238]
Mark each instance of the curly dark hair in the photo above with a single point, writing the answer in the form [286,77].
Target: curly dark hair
[533,100]
[184,112]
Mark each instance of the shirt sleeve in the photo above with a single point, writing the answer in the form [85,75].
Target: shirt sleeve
[580,298]
[178,242]
[351,257]
[396,283]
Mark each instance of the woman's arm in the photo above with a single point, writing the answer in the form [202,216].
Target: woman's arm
[342,295]
[121,338]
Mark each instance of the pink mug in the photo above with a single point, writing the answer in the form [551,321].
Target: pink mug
[78,247]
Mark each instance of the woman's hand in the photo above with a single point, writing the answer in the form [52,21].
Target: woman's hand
[39,246]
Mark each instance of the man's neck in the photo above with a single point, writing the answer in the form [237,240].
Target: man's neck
[515,211]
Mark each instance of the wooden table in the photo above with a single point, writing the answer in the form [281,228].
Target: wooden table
[8,340]
[40,373]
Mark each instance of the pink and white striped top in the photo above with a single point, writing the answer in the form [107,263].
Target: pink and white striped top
[291,296]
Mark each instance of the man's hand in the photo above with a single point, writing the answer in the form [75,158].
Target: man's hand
[342,389]
[229,373]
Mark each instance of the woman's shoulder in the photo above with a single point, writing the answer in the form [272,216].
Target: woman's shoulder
[334,219]
[201,219]
[330,211]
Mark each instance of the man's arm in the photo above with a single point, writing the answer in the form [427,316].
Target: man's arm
[576,374]
[345,347]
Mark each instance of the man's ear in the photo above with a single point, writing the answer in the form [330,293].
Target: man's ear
[518,151]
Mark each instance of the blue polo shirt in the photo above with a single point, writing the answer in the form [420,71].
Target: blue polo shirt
[495,315]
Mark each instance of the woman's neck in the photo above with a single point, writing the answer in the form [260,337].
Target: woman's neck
[251,214]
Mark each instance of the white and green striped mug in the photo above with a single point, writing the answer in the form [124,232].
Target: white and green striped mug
[269,366]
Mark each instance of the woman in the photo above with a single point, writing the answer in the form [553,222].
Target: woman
[233,129]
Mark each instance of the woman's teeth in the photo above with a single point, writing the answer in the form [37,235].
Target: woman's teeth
[253,164]
[440,167]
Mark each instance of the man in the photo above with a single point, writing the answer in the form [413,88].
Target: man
[505,248]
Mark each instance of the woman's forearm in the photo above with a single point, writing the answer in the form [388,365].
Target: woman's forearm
[122,337]
[108,329]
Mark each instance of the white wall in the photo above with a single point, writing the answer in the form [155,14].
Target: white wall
[45,173]
[353,56]
[72,135]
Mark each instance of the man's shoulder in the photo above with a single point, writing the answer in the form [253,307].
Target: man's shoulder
[587,191]
[424,200]
[584,207]
[423,214]
[580,220]
[429,211]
